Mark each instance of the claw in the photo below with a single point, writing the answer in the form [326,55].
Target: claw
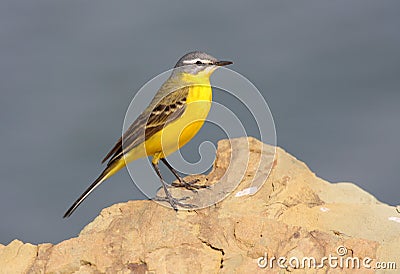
[165,199]
[189,185]
[175,202]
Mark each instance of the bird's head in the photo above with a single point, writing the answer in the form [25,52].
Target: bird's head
[198,64]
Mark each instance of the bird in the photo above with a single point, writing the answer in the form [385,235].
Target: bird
[173,117]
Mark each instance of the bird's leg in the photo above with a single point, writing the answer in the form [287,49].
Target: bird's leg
[172,201]
[182,183]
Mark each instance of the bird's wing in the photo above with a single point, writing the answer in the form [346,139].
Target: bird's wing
[161,111]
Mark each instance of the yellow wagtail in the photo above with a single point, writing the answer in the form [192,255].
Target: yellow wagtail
[173,118]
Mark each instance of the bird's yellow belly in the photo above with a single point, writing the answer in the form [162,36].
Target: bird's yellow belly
[181,131]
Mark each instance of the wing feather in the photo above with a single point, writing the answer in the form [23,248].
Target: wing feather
[162,111]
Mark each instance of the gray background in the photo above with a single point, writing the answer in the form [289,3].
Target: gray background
[68,70]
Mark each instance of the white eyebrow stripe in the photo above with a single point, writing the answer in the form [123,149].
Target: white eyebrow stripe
[193,61]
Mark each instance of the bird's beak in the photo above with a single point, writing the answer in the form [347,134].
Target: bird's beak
[223,63]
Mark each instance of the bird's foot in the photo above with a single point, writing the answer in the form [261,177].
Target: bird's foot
[174,202]
[191,185]
[165,199]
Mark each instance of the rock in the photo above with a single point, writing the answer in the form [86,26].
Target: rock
[290,213]
[17,257]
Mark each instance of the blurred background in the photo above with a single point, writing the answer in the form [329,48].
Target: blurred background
[329,70]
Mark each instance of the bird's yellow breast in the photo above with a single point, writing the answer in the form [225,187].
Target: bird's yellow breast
[198,106]
[178,133]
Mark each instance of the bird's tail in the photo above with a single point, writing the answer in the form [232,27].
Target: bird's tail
[107,173]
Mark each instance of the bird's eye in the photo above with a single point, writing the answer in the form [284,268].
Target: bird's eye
[199,63]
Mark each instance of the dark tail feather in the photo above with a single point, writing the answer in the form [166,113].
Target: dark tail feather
[117,147]
[95,184]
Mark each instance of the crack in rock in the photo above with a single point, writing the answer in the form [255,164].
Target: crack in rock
[217,249]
